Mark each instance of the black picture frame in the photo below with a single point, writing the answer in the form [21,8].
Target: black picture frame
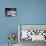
[10,12]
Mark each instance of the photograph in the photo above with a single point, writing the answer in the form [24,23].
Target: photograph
[10,12]
[29,34]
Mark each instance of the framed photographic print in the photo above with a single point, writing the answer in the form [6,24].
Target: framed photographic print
[32,32]
[10,12]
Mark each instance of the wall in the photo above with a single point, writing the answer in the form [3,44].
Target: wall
[28,12]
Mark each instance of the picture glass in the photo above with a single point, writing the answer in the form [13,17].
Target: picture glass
[33,32]
[10,11]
